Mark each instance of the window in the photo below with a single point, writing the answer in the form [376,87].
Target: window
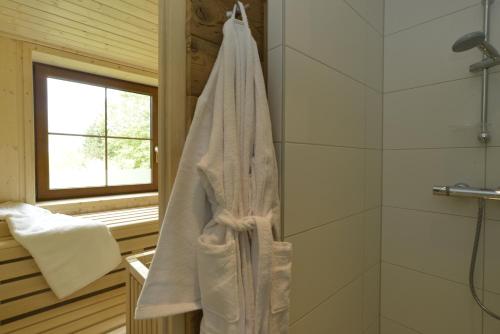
[94,135]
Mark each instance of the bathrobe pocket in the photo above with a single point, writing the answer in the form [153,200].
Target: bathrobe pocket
[281,276]
[217,270]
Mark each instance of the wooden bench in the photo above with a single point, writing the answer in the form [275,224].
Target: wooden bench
[27,305]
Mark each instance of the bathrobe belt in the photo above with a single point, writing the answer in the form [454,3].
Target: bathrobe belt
[263,226]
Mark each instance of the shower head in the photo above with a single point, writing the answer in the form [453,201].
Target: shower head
[469,41]
[475,39]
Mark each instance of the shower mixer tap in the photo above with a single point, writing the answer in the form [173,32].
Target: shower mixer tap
[463,190]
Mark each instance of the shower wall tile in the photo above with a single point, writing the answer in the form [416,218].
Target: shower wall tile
[321,267]
[402,14]
[374,328]
[322,184]
[323,106]
[422,55]
[410,174]
[274,23]
[373,119]
[428,304]
[390,327]
[275,90]
[437,244]
[371,10]
[341,313]
[372,235]
[494,103]
[333,56]
[373,179]
[333,33]
[492,301]
[492,257]
[493,180]
[371,297]
[441,115]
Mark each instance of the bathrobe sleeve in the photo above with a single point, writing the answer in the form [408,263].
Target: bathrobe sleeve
[172,283]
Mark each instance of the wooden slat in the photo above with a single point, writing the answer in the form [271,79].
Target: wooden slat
[22,287]
[16,269]
[37,301]
[76,29]
[106,325]
[50,324]
[53,314]
[81,325]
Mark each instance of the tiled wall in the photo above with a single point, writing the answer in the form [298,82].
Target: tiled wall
[431,120]
[325,88]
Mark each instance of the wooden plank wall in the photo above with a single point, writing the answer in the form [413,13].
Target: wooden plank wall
[205,19]
[125,31]
[204,36]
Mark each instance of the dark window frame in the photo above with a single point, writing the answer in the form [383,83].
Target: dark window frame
[43,192]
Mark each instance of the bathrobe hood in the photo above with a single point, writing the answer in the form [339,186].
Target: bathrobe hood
[217,248]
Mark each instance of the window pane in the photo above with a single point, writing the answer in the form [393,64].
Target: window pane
[75,108]
[76,162]
[129,161]
[129,114]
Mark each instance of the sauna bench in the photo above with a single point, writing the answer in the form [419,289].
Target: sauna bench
[27,305]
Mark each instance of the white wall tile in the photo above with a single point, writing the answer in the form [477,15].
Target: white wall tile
[371,297]
[341,313]
[491,325]
[371,10]
[275,90]
[401,14]
[492,256]
[374,328]
[325,259]
[423,55]
[390,327]
[428,304]
[410,174]
[494,104]
[322,184]
[274,23]
[322,105]
[374,118]
[330,30]
[438,244]
[373,179]
[442,115]
[372,236]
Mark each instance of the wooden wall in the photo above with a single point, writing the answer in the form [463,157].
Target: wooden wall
[125,31]
[204,36]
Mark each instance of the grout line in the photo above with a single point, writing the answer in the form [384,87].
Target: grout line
[338,220]
[274,47]
[333,146]
[427,211]
[400,324]
[329,297]
[333,68]
[399,90]
[426,273]
[365,19]
[433,148]
[431,20]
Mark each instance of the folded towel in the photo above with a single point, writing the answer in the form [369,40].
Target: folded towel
[70,252]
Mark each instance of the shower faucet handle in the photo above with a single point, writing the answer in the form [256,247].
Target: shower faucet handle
[463,190]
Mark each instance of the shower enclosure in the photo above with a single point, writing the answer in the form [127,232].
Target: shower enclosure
[491,58]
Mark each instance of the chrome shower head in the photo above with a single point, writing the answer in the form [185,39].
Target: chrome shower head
[469,41]
[475,39]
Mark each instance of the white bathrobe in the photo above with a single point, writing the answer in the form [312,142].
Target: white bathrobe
[217,249]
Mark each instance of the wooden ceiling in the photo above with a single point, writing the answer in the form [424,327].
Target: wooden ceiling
[121,31]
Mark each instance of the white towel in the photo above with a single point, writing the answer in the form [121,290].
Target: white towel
[70,252]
